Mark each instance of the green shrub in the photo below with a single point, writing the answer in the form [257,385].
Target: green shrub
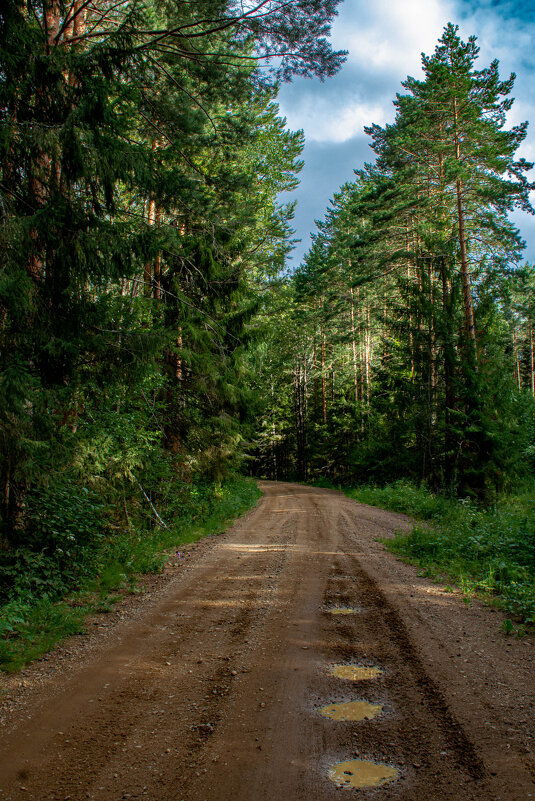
[29,629]
[490,551]
[403,496]
[96,559]
[64,527]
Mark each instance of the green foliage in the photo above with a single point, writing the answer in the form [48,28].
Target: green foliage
[408,350]
[32,619]
[63,528]
[404,496]
[488,551]
[28,630]
[140,197]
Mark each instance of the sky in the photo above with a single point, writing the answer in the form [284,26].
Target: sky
[385,39]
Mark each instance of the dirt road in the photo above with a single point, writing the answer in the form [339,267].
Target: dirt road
[209,688]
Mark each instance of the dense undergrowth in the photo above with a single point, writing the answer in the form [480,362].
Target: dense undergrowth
[46,593]
[488,551]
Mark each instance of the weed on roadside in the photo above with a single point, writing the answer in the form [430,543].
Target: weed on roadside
[46,603]
[489,552]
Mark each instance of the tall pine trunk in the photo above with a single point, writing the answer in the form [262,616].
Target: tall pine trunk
[354,347]
[468,306]
[323,377]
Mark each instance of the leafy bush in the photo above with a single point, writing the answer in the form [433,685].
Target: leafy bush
[95,559]
[63,527]
[490,551]
[404,496]
[29,629]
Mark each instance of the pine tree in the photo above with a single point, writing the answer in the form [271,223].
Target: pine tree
[142,155]
[409,270]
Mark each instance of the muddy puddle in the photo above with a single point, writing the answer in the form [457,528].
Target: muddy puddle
[361,773]
[351,710]
[343,610]
[355,672]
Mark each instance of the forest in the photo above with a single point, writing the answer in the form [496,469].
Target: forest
[413,312]
[157,354]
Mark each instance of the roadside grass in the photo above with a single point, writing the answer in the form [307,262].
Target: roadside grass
[32,624]
[489,552]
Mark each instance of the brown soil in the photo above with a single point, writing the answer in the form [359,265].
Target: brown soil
[207,687]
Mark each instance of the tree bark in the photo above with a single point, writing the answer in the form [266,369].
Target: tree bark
[354,347]
[148,269]
[469,323]
[368,355]
[531,360]
[323,377]
[517,360]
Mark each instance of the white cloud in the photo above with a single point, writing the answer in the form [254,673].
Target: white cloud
[390,36]
[384,43]
[385,39]
[327,122]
